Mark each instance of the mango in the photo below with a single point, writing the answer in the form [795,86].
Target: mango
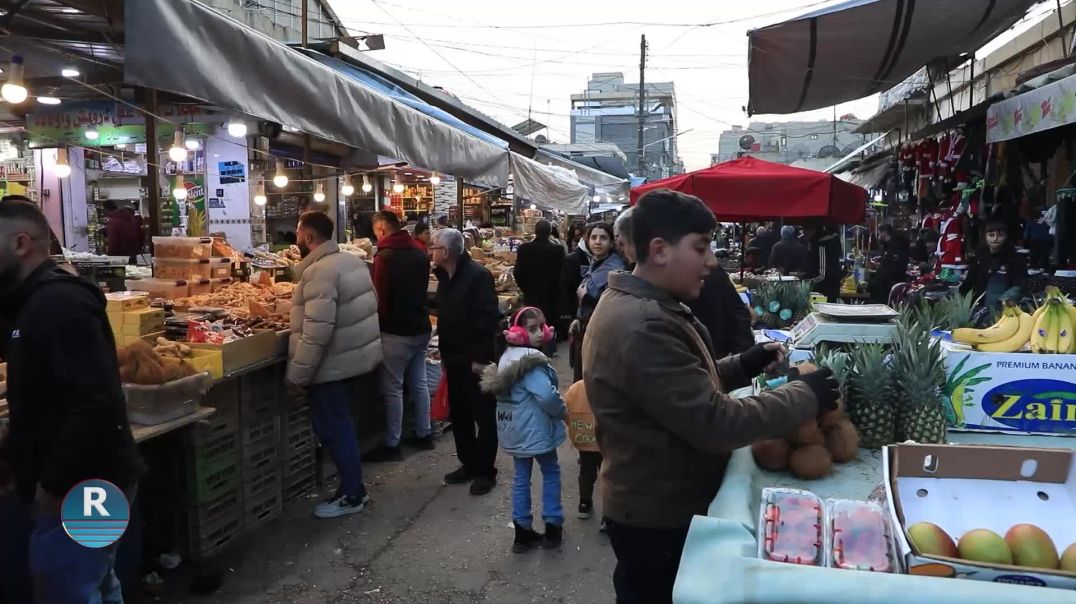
[1068,559]
[931,540]
[983,545]
[1031,546]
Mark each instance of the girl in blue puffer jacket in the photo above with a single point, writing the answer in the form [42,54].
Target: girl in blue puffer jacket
[530,424]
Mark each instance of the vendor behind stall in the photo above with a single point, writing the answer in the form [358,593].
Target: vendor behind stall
[893,267]
[824,254]
[997,272]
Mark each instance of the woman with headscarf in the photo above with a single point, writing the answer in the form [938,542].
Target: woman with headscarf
[595,259]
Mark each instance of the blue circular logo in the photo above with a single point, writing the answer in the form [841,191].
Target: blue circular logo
[95,513]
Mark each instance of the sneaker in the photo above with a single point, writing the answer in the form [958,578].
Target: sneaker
[554,535]
[482,485]
[341,506]
[525,539]
[458,476]
[585,507]
[382,454]
[423,443]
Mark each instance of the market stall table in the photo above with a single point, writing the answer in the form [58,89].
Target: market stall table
[143,433]
[720,563]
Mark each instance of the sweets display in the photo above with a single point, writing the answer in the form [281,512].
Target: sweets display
[237,298]
[141,364]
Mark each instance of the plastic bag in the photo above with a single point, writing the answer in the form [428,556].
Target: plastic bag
[439,404]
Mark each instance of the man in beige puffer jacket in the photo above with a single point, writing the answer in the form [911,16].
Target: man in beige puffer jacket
[335,337]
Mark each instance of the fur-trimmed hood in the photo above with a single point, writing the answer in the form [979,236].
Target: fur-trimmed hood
[498,379]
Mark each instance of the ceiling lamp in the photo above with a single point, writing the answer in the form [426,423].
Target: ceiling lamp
[13,90]
[237,128]
[319,193]
[259,194]
[366,186]
[69,72]
[121,145]
[347,188]
[48,100]
[280,179]
[92,134]
[179,191]
[193,144]
[397,187]
[178,151]
[435,179]
[62,169]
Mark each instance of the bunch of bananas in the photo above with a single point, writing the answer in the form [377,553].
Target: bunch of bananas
[1055,321]
[1009,334]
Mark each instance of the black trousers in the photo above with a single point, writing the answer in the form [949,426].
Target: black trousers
[589,464]
[646,562]
[474,420]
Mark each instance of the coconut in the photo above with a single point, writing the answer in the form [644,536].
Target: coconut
[807,433]
[810,462]
[771,454]
[828,419]
[842,441]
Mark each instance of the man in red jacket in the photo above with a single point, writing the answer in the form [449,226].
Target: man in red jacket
[123,231]
[401,278]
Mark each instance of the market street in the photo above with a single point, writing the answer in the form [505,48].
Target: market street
[418,541]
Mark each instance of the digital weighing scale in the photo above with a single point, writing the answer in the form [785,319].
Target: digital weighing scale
[847,323]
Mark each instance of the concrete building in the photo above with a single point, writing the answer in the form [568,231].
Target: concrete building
[608,112]
[787,142]
[282,19]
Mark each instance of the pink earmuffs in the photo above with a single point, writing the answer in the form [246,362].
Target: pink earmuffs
[517,335]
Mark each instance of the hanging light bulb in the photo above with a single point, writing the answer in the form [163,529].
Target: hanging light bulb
[347,188]
[13,90]
[280,179]
[259,194]
[178,151]
[121,145]
[319,193]
[62,169]
[192,144]
[435,179]
[237,128]
[366,186]
[534,207]
[596,198]
[179,191]
[92,134]
[69,72]
[49,99]
[397,187]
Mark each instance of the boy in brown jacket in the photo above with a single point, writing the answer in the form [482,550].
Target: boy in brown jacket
[665,423]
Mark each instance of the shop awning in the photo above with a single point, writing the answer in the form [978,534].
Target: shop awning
[595,179]
[1044,108]
[548,187]
[860,47]
[188,48]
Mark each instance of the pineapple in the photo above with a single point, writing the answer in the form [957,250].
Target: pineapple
[872,390]
[767,305]
[803,301]
[958,310]
[920,386]
[841,365]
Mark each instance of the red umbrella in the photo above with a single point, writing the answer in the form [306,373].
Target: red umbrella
[749,189]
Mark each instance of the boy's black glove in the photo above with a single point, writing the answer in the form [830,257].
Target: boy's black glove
[827,391]
[756,359]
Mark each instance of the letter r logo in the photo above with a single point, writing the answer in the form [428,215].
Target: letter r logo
[93,498]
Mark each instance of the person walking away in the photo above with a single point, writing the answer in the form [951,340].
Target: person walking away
[764,240]
[334,339]
[68,414]
[997,272]
[893,267]
[788,254]
[538,270]
[467,319]
[575,265]
[401,276]
[665,422]
[123,234]
[530,424]
[719,307]
[595,278]
[824,267]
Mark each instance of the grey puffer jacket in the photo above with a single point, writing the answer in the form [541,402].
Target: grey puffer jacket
[335,333]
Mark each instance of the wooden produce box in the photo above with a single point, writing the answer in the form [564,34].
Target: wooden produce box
[243,353]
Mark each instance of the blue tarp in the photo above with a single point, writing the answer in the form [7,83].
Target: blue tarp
[387,88]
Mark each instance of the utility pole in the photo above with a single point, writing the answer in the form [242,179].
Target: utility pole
[639,151]
[835,127]
[305,16]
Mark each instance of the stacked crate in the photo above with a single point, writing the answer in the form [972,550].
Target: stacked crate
[260,420]
[299,447]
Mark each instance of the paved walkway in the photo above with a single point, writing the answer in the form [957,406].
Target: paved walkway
[418,541]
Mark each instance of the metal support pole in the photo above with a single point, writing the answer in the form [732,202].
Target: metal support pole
[305,17]
[153,169]
[640,152]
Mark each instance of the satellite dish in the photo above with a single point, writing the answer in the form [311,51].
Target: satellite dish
[746,141]
[541,139]
[829,151]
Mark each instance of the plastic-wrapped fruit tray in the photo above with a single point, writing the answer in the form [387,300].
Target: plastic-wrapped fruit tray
[791,527]
[859,537]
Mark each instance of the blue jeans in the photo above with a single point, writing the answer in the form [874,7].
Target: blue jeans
[404,362]
[65,572]
[552,512]
[331,418]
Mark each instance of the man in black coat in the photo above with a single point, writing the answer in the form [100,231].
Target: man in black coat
[764,240]
[788,255]
[893,267]
[825,261]
[467,318]
[67,408]
[538,271]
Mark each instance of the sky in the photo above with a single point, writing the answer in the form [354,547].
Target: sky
[510,58]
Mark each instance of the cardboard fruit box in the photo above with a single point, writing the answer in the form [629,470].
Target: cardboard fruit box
[962,488]
[1021,393]
[244,352]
